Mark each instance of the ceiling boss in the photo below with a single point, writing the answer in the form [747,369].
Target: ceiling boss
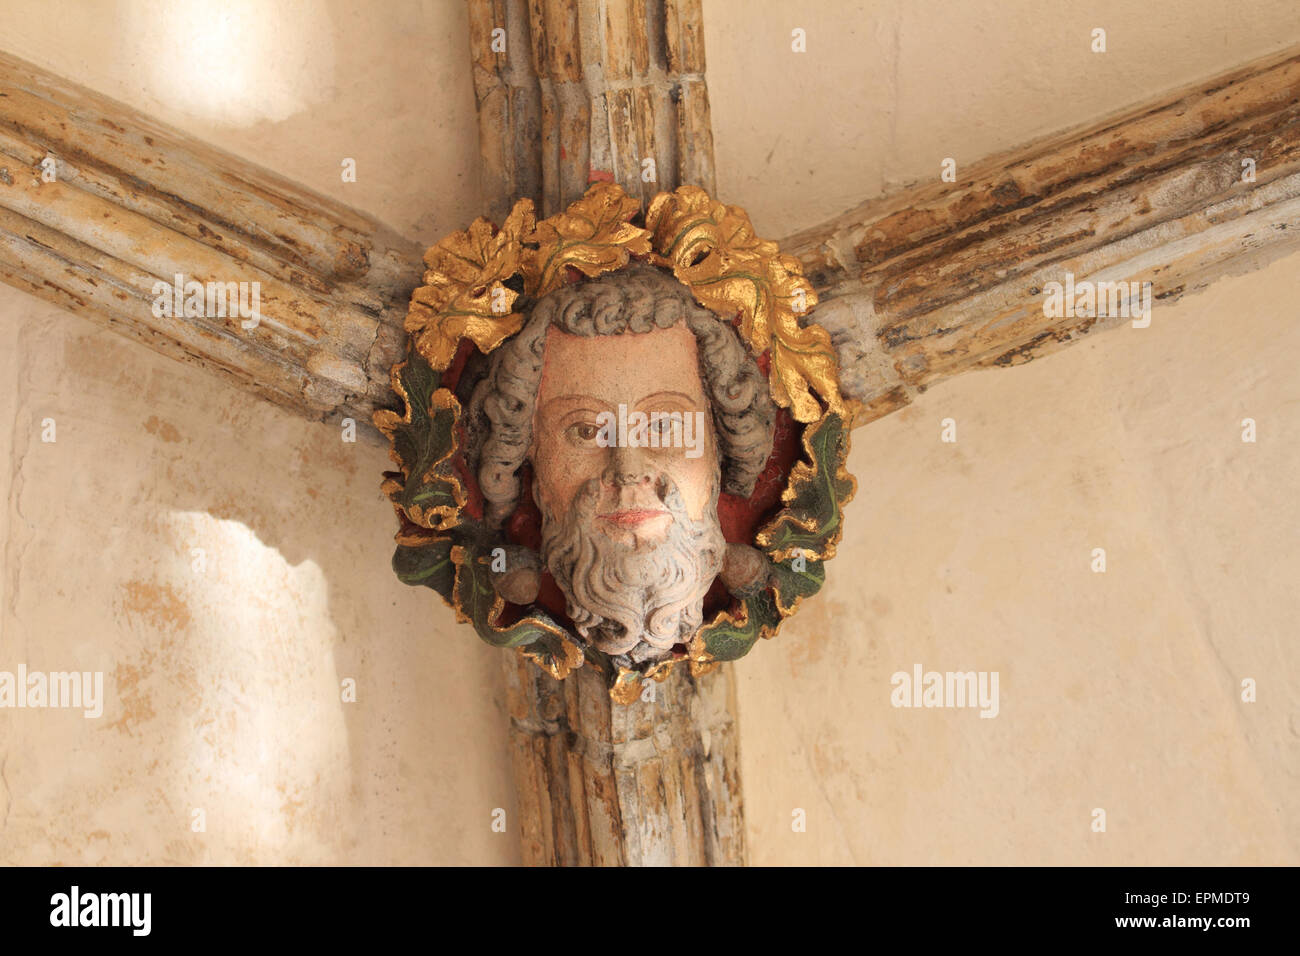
[622,446]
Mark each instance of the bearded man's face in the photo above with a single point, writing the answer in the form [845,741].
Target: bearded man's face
[626,475]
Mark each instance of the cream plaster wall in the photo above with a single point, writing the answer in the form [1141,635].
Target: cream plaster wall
[1117,691]
[888,89]
[223,680]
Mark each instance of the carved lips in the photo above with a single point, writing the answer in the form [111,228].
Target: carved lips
[633,517]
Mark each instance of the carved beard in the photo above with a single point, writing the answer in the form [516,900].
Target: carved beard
[629,596]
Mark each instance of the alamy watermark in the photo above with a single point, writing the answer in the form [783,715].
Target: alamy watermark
[652,430]
[946,689]
[208,300]
[1089,299]
[57,689]
[75,908]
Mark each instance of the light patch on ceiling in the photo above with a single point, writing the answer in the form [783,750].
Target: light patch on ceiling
[264,713]
[231,62]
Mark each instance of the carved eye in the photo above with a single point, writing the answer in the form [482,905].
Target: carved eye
[583,433]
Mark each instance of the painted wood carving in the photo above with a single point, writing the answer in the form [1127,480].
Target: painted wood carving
[620,445]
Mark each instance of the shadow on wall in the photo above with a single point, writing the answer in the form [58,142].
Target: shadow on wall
[226,565]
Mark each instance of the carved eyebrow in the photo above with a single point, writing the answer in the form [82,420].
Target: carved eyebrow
[685,399]
[600,403]
[589,399]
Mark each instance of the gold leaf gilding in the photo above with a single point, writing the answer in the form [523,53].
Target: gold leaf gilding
[559,665]
[711,248]
[464,293]
[593,236]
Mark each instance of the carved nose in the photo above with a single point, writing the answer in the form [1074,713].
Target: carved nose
[627,466]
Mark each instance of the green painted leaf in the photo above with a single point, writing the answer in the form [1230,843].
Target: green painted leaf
[792,585]
[818,502]
[427,440]
[429,565]
[478,597]
[728,641]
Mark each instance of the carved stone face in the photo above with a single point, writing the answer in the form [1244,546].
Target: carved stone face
[586,382]
[635,407]
[626,475]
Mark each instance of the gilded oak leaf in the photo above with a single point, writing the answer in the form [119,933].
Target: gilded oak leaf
[464,293]
[712,248]
[688,224]
[593,236]
[800,357]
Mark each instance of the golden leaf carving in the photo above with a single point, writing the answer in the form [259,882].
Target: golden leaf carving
[803,357]
[712,248]
[560,657]
[464,293]
[688,224]
[626,686]
[593,236]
